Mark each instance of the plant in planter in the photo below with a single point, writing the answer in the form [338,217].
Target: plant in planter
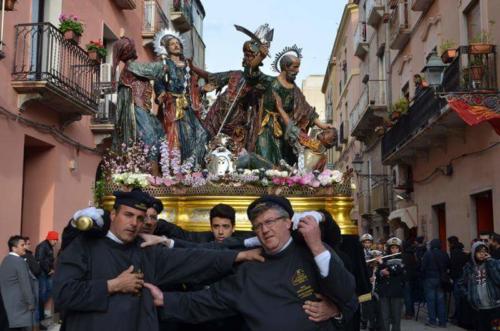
[96,50]
[480,44]
[476,68]
[448,51]
[71,27]
[398,108]
[9,4]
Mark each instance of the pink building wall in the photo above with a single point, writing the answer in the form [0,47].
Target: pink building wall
[52,191]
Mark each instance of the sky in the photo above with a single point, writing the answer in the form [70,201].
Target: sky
[311,25]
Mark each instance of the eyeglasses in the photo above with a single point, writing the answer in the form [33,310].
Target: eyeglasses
[268,223]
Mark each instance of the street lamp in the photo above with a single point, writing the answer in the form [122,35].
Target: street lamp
[434,70]
[357,164]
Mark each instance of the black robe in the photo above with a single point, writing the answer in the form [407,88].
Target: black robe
[85,266]
[268,295]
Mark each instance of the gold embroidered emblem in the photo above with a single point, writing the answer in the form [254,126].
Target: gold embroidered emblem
[299,277]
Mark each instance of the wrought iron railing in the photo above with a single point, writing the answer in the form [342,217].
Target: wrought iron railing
[477,69]
[42,54]
[154,17]
[373,94]
[399,17]
[360,34]
[106,113]
[426,106]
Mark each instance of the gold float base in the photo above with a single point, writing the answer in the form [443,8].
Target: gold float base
[192,212]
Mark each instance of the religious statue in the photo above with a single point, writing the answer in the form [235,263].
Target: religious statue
[134,120]
[270,142]
[180,101]
[234,111]
[310,151]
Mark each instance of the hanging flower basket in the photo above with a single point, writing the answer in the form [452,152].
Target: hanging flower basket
[9,4]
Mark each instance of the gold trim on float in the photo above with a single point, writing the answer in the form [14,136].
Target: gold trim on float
[192,212]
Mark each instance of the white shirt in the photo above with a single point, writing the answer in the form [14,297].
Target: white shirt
[112,236]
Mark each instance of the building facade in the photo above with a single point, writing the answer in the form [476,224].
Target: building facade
[311,88]
[56,116]
[421,170]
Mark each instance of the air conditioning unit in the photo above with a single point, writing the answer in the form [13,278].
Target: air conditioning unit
[401,176]
[105,72]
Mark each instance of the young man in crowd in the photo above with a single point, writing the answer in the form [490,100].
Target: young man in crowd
[480,284]
[44,254]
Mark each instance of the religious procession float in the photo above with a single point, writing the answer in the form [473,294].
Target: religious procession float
[260,136]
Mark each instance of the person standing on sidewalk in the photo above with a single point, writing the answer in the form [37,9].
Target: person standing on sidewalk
[44,253]
[17,287]
[390,286]
[435,265]
[480,284]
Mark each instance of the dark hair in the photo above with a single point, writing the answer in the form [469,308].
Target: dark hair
[453,240]
[495,237]
[486,233]
[224,211]
[333,141]
[265,206]
[26,238]
[287,61]
[14,241]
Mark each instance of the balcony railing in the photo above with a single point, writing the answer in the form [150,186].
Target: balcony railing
[154,19]
[399,25]
[425,107]
[372,102]
[125,4]
[374,12]
[360,41]
[477,70]
[57,69]
[379,199]
[181,14]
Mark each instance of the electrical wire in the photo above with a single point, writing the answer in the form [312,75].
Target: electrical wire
[456,158]
[47,129]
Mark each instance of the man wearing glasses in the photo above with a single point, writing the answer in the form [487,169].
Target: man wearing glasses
[271,295]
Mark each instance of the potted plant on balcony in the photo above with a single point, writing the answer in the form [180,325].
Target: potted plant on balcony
[398,108]
[9,4]
[96,50]
[476,68]
[448,51]
[480,44]
[71,27]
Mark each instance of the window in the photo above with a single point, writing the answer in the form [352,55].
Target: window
[473,17]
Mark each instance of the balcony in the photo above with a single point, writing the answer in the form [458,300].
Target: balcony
[374,11]
[125,4]
[399,25]
[360,42]
[379,199]
[181,16]
[103,122]
[369,111]
[421,5]
[426,125]
[477,71]
[154,21]
[53,71]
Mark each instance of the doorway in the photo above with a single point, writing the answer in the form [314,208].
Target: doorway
[483,203]
[439,223]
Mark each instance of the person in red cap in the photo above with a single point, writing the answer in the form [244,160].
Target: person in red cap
[44,253]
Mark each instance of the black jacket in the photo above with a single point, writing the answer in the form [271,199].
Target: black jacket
[393,285]
[458,259]
[32,263]
[44,254]
[435,261]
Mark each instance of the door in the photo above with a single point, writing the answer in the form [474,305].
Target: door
[484,211]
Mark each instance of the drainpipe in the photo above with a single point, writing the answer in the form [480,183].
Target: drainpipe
[388,91]
[2,24]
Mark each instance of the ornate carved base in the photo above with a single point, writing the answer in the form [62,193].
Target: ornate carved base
[192,212]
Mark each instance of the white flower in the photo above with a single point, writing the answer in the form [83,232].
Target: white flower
[337,176]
